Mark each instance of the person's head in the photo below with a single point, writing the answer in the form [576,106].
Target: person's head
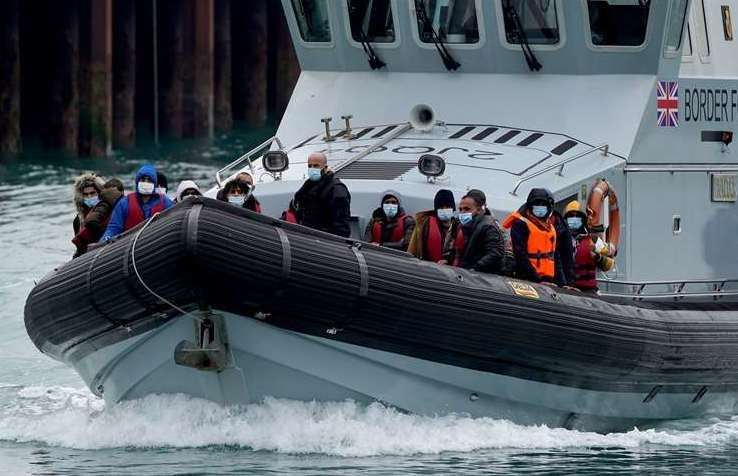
[576,218]
[540,203]
[444,204]
[245,177]
[114,183]
[236,192]
[390,204]
[146,180]
[87,191]
[187,188]
[470,206]
[161,183]
[317,166]
[479,196]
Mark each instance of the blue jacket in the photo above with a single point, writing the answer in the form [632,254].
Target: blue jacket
[116,225]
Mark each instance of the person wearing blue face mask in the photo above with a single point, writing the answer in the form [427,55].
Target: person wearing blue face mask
[587,260]
[533,233]
[323,202]
[478,243]
[432,228]
[87,188]
[390,226]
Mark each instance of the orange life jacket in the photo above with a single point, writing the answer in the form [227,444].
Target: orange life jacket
[397,234]
[541,244]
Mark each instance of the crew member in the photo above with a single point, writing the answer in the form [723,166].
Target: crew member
[586,258]
[137,206]
[390,226]
[533,236]
[323,202]
[478,242]
[432,228]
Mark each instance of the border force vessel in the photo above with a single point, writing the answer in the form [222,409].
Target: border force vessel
[504,96]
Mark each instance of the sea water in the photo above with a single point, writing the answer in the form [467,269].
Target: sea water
[50,423]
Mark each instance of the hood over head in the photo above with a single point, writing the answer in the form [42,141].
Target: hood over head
[444,199]
[184,185]
[541,194]
[391,193]
[85,180]
[146,170]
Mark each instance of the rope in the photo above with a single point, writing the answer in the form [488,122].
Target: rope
[138,275]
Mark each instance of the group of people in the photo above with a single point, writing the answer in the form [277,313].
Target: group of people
[534,243]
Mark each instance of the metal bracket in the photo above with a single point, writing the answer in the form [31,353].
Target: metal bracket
[210,350]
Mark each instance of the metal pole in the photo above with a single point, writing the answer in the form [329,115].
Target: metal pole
[156,73]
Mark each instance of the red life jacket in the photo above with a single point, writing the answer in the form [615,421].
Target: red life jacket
[459,246]
[135,212]
[397,234]
[434,242]
[585,266]
[253,205]
[289,216]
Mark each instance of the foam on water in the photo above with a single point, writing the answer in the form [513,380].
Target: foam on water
[74,418]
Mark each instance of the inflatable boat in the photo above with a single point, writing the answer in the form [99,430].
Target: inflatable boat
[218,302]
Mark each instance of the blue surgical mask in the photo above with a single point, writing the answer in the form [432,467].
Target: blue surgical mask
[91,202]
[390,209]
[540,211]
[465,218]
[574,223]
[445,214]
[315,174]
[236,199]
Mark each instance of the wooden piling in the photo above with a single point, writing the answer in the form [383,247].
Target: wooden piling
[284,61]
[10,77]
[250,61]
[171,66]
[62,129]
[222,66]
[124,73]
[201,54]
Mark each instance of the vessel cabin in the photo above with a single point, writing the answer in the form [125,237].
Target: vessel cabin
[530,93]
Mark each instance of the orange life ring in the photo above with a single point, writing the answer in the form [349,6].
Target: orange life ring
[595,203]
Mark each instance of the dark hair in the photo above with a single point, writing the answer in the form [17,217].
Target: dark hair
[161,180]
[475,198]
[114,183]
[231,184]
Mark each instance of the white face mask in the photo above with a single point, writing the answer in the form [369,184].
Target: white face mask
[145,188]
[445,214]
[161,190]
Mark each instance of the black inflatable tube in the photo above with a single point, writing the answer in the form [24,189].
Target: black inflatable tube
[205,253]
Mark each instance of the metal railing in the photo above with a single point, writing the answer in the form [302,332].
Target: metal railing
[247,156]
[559,165]
[638,290]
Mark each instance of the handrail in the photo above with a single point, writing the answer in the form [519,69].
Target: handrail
[560,165]
[247,156]
[679,289]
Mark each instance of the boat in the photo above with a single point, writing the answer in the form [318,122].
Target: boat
[631,105]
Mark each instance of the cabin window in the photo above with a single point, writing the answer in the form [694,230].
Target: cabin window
[371,21]
[455,21]
[534,21]
[675,28]
[618,22]
[312,20]
[727,22]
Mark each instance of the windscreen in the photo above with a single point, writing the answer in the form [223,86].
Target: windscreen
[534,20]
[618,22]
[371,20]
[312,20]
[455,21]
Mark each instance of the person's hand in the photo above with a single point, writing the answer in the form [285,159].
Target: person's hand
[375,243]
[442,261]
[572,288]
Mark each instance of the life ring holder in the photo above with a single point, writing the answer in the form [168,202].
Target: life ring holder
[595,204]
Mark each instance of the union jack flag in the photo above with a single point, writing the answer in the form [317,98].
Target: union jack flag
[667,103]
